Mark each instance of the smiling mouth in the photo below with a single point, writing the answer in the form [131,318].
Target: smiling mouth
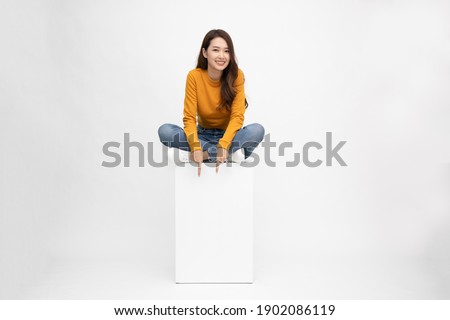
[220,63]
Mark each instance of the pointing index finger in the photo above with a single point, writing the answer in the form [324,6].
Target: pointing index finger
[218,163]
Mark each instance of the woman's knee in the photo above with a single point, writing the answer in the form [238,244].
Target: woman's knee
[165,132]
[257,132]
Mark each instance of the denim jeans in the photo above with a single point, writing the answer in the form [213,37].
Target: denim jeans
[246,138]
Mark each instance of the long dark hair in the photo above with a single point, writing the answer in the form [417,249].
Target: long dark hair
[229,74]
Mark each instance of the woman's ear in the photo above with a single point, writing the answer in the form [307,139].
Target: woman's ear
[204,53]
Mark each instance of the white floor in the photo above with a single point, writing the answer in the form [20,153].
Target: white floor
[345,278]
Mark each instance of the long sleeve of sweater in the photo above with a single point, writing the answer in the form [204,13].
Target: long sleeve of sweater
[190,113]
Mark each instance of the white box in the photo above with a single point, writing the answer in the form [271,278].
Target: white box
[214,224]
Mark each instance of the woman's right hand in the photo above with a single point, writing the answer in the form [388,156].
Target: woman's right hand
[197,156]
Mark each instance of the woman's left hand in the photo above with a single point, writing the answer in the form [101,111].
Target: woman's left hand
[222,155]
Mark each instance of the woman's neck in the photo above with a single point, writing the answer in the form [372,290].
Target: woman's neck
[214,75]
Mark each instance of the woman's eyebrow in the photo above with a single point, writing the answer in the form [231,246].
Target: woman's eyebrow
[219,47]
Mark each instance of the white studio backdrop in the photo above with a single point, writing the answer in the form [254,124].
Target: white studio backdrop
[75,75]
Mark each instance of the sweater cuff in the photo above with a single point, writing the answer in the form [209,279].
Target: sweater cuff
[223,144]
[195,146]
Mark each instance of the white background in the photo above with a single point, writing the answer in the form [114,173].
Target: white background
[77,74]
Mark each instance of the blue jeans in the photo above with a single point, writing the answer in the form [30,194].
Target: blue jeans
[246,138]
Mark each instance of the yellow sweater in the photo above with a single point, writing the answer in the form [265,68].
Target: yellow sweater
[200,104]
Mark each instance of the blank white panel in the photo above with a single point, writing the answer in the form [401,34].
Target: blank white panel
[214,224]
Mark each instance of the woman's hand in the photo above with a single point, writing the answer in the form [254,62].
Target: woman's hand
[197,156]
[222,155]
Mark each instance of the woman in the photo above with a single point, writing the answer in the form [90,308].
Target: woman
[215,98]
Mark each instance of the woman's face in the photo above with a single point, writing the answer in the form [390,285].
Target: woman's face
[218,55]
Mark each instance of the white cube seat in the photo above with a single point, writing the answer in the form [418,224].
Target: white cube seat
[214,224]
